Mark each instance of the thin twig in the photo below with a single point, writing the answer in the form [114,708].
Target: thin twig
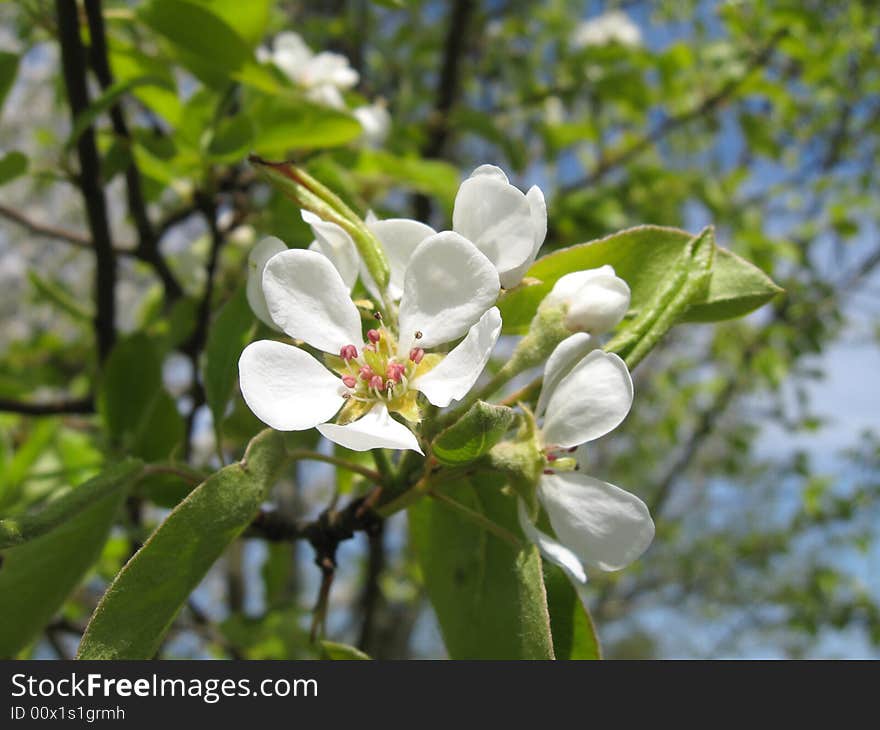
[448,83]
[73,64]
[706,106]
[48,408]
[148,242]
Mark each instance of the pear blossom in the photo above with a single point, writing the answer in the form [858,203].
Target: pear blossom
[507,225]
[323,75]
[376,122]
[586,394]
[257,259]
[614,26]
[448,290]
[595,300]
[399,238]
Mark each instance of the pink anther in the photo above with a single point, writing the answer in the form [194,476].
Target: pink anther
[349,380]
[416,355]
[377,383]
[374,336]
[348,352]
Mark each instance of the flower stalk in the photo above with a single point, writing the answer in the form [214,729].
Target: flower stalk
[309,194]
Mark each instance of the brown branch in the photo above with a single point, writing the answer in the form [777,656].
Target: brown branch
[89,180]
[48,408]
[609,162]
[447,90]
[196,342]
[41,229]
[148,242]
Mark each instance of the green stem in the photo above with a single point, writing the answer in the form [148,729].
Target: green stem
[383,466]
[306,455]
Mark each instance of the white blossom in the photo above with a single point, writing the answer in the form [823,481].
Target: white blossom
[596,524]
[595,300]
[615,26]
[375,121]
[507,225]
[323,75]
[448,290]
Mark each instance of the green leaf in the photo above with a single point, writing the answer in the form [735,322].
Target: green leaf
[12,165]
[250,19]
[231,140]
[333,650]
[737,287]
[139,416]
[17,530]
[38,576]
[206,42]
[24,458]
[130,63]
[140,605]
[231,331]
[285,124]
[643,257]
[8,69]
[431,177]
[86,118]
[685,283]
[488,597]
[477,431]
[60,297]
[574,635]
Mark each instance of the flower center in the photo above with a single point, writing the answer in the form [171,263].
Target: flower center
[376,372]
[558,459]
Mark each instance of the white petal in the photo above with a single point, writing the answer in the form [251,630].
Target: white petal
[326,94]
[552,549]
[605,526]
[375,121]
[497,218]
[399,238]
[257,259]
[562,360]
[455,375]
[287,388]
[375,430]
[447,287]
[597,299]
[492,170]
[538,206]
[589,402]
[308,300]
[331,69]
[334,243]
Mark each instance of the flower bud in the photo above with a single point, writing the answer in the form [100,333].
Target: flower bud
[594,300]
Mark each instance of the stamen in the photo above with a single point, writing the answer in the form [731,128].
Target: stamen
[549,471]
[377,315]
[374,336]
[346,396]
[366,372]
[550,457]
[377,383]
[416,354]
[348,352]
[369,348]
[418,334]
[394,371]
[349,380]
